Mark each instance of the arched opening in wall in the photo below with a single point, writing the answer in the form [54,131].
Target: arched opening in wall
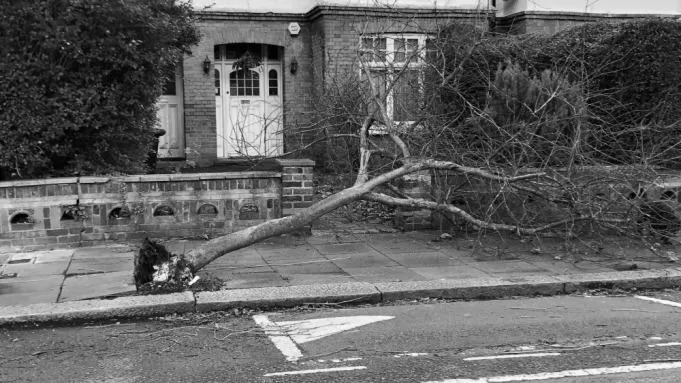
[668,195]
[20,218]
[21,221]
[207,211]
[249,99]
[67,216]
[164,211]
[118,214]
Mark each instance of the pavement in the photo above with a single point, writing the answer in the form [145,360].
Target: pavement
[330,267]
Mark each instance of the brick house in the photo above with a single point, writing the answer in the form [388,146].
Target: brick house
[219,109]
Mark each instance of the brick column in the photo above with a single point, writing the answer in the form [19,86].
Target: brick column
[297,185]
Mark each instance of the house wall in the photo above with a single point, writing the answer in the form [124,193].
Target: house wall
[224,28]
[551,16]
[326,45]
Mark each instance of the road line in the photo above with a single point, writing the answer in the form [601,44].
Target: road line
[412,354]
[665,344]
[281,341]
[510,356]
[303,372]
[567,373]
[661,301]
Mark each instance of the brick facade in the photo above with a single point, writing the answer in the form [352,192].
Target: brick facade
[326,45]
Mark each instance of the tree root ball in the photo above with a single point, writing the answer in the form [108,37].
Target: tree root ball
[154,257]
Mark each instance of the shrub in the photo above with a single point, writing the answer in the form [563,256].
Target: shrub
[81,79]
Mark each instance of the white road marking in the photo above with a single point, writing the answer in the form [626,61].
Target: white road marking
[303,331]
[413,354]
[286,334]
[661,301]
[351,359]
[303,372]
[665,344]
[568,373]
[280,340]
[510,356]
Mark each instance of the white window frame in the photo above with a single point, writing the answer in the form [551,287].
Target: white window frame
[390,66]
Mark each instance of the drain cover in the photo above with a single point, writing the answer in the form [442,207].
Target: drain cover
[14,261]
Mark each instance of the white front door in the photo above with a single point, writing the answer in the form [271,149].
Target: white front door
[248,110]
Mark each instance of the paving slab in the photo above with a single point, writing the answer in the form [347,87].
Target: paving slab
[53,256]
[402,246]
[424,259]
[82,266]
[326,237]
[29,290]
[30,269]
[249,280]
[450,272]
[356,260]
[384,274]
[104,251]
[289,296]
[322,267]
[3,258]
[344,248]
[287,255]
[312,279]
[509,267]
[97,285]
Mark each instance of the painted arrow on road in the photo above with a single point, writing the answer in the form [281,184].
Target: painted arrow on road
[287,335]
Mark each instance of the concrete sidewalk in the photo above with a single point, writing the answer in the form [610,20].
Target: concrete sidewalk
[416,264]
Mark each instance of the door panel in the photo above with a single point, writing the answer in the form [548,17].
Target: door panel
[171,119]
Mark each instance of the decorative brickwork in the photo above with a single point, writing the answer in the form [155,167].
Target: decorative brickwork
[69,212]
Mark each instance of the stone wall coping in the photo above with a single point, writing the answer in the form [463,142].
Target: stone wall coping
[94,180]
[39,182]
[152,177]
[295,162]
[577,16]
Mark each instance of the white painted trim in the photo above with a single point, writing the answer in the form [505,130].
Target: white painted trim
[660,301]
[567,373]
[511,356]
[320,370]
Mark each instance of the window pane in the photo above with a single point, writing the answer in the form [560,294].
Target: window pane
[273,83]
[170,87]
[379,80]
[216,53]
[399,50]
[217,82]
[380,49]
[412,49]
[406,96]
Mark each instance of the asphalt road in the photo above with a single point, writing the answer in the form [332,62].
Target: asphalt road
[557,339]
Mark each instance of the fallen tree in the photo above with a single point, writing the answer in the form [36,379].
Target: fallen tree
[526,149]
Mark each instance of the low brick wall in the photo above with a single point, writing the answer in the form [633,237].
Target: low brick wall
[84,211]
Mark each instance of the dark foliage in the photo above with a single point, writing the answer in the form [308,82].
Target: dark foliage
[80,79]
